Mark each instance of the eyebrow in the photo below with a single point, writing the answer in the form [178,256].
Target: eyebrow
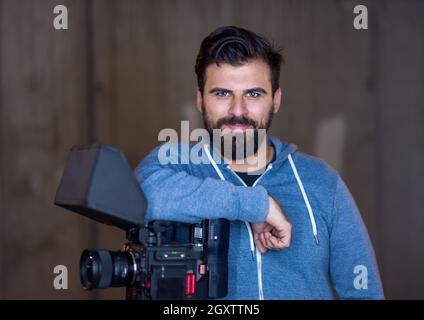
[258,89]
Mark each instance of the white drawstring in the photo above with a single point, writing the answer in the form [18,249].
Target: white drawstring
[221,176]
[206,148]
[259,266]
[252,243]
[305,198]
[249,228]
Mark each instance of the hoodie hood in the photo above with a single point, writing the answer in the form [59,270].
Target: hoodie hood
[282,150]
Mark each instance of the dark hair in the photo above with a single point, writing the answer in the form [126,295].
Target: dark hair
[236,46]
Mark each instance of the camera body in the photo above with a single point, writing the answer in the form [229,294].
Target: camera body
[161,259]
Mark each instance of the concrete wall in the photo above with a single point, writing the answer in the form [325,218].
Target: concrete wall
[125,70]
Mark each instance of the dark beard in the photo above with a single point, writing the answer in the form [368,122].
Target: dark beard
[237,143]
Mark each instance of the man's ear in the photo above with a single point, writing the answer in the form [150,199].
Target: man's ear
[199,99]
[277,100]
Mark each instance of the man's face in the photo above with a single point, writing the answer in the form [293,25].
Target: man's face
[237,98]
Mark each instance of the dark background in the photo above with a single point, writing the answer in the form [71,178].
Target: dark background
[124,70]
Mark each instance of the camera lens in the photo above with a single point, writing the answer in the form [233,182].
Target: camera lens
[103,268]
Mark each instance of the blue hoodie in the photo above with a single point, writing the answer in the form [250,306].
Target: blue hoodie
[330,245]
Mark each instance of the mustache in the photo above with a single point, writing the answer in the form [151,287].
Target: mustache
[242,120]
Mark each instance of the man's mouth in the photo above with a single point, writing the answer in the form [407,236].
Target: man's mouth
[236,127]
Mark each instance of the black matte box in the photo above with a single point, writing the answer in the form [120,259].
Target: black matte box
[99,183]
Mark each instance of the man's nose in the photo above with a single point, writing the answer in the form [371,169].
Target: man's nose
[238,107]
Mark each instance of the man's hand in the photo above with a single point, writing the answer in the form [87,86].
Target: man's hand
[275,232]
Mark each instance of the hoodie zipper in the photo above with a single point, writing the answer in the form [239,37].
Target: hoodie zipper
[249,229]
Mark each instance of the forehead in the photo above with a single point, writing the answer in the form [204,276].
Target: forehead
[254,73]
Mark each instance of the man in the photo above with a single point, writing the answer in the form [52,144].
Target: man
[295,230]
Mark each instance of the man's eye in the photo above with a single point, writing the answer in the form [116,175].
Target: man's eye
[222,93]
[253,94]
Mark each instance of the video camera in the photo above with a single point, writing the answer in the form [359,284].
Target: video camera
[162,259]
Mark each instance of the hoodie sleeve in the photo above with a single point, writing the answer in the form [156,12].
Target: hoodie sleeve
[175,195]
[353,267]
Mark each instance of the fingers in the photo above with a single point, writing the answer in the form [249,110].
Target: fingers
[264,239]
[270,237]
[276,243]
[261,246]
[283,236]
[270,241]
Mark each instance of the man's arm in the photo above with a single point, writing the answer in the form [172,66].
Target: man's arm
[353,267]
[173,194]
